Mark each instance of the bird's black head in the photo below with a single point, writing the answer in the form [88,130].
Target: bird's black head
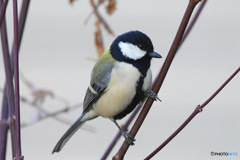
[134,47]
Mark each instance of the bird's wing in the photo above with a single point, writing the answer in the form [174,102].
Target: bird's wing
[100,78]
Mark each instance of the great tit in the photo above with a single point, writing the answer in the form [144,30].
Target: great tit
[120,80]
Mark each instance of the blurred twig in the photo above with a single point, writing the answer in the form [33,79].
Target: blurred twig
[98,39]
[39,96]
[100,20]
[111,7]
[37,103]
[43,114]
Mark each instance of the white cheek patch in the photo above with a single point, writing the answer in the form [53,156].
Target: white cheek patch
[131,51]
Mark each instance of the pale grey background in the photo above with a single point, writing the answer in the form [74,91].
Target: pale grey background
[54,55]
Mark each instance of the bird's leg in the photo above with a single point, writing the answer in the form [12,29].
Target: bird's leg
[152,95]
[130,139]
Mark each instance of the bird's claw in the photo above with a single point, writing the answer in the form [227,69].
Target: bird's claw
[129,138]
[152,95]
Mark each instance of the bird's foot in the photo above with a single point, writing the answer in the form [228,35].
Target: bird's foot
[129,138]
[152,95]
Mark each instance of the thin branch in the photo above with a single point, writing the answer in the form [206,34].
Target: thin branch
[4,127]
[46,114]
[225,83]
[99,39]
[97,14]
[16,83]
[193,21]
[22,20]
[39,95]
[161,76]
[197,110]
[3,11]
[89,16]
[9,91]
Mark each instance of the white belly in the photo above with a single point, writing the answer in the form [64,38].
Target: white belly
[120,92]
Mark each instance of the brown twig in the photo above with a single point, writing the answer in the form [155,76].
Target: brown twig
[197,110]
[39,95]
[99,39]
[100,18]
[89,16]
[160,78]
[193,21]
[46,114]
[111,7]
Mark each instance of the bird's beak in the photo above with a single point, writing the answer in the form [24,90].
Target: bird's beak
[155,55]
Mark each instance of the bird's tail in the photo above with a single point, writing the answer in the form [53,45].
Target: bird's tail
[70,132]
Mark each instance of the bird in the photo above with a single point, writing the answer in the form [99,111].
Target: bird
[120,80]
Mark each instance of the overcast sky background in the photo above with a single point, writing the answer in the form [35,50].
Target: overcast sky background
[55,54]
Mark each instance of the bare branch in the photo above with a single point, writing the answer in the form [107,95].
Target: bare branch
[100,18]
[16,83]
[98,39]
[4,127]
[9,91]
[197,110]
[193,21]
[3,11]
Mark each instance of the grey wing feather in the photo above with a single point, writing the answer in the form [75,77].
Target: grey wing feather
[97,88]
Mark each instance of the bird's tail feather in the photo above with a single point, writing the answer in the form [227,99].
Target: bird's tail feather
[70,132]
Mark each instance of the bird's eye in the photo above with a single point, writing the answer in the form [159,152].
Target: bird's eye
[140,46]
